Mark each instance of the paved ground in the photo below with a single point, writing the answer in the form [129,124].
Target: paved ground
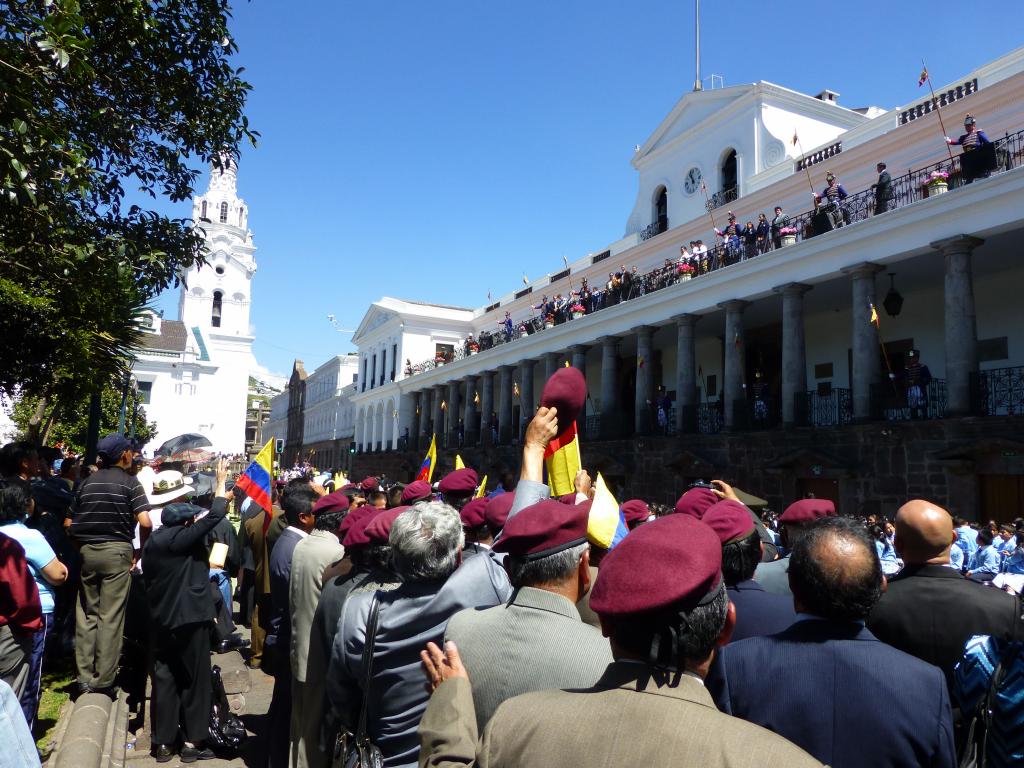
[252,706]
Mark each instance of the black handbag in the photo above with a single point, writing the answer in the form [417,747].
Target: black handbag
[226,729]
[356,750]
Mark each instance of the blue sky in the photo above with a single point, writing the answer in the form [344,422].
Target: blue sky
[438,150]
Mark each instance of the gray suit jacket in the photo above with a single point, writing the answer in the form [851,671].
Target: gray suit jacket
[535,642]
[773,577]
[632,717]
[312,556]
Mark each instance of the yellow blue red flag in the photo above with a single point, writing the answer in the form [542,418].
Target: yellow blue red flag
[562,462]
[429,461]
[258,476]
[606,526]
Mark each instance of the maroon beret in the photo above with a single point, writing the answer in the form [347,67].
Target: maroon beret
[497,510]
[566,390]
[730,520]
[459,482]
[352,530]
[807,511]
[695,502]
[417,490]
[349,487]
[543,529]
[332,502]
[369,484]
[379,527]
[635,510]
[674,560]
[472,513]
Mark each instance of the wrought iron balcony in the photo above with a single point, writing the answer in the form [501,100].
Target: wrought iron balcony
[654,228]
[811,409]
[998,392]
[722,197]
[891,401]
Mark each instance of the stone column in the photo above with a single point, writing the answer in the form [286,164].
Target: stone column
[505,405]
[611,418]
[552,360]
[686,373]
[454,413]
[794,352]
[486,408]
[960,321]
[436,415]
[734,351]
[579,362]
[526,404]
[643,417]
[470,422]
[866,366]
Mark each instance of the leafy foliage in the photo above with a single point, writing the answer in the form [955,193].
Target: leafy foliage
[94,97]
[71,424]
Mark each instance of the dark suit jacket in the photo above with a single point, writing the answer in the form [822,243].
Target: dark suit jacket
[841,694]
[279,627]
[177,571]
[883,188]
[930,611]
[759,612]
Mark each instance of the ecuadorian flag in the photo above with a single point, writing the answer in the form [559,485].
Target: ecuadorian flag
[258,476]
[429,461]
[606,526]
[562,461]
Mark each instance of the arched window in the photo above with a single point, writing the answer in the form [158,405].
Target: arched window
[241,217]
[218,302]
[728,172]
[223,213]
[202,212]
[661,210]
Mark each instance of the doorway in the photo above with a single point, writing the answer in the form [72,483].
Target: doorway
[1001,497]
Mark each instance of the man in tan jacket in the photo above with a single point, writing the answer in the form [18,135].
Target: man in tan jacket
[663,605]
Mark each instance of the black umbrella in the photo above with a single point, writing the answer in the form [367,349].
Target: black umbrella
[187,442]
[203,483]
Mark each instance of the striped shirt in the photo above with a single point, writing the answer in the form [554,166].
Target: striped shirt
[106,507]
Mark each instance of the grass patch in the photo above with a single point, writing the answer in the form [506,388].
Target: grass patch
[58,683]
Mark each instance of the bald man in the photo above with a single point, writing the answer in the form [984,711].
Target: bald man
[930,610]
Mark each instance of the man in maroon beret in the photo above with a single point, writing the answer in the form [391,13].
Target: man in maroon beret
[757,612]
[496,512]
[635,512]
[474,524]
[458,487]
[537,640]
[794,520]
[369,484]
[663,604]
[418,490]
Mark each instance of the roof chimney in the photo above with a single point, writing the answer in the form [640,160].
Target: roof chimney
[830,96]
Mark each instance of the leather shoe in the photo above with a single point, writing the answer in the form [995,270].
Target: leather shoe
[191,754]
[232,643]
[163,753]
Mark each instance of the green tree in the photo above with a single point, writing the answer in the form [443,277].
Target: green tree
[94,98]
[68,421]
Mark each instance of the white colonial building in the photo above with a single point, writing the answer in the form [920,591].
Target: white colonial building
[193,373]
[329,416]
[766,361]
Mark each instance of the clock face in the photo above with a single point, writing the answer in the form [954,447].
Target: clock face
[692,182]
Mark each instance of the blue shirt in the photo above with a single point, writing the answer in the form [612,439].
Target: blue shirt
[1006,546]
[956,558]
[887,557]
[39,554]
[985,560]
[967,540]
[1014,562]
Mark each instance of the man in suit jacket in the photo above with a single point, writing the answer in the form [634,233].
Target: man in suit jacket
[662,602]
[537,640]
[883,189]
[930,611]
[177,578]
[828,684]
[757,612]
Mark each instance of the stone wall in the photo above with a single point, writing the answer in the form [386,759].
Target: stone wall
[872,467]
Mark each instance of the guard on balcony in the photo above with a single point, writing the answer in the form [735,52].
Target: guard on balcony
[917,377]
[833,196]
[731,238]
[979,157]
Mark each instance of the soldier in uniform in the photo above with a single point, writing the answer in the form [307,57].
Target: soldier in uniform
[916,378]
[972,139]
[663,604]
[833,195]
[731,238]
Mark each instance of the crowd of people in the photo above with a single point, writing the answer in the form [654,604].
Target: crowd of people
[446,624]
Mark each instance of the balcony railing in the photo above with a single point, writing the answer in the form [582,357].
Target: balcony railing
[894,402]
[812,409]
[709,418]
[756,413]
[722,197]
[998,392]
[654,228]
[906,189]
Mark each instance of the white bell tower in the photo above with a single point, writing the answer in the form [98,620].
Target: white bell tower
[216,297]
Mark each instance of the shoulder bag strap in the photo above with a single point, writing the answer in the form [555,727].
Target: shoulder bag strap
[368,646]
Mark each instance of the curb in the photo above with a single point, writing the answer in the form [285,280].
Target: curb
[93,734]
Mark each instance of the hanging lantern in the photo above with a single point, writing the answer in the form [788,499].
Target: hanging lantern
[893,301]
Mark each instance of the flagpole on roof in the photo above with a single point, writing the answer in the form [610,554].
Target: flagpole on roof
[925,76]
[697,85]
[800,146]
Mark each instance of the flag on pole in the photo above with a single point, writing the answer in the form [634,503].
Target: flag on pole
[796,139]
[923,78]
[562,461]
[459,463]
[481,491]
[606,526]
[429,461]
[566,260]
[488,295]
[526,280]
[565,391]
[874,316]
[258,476]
